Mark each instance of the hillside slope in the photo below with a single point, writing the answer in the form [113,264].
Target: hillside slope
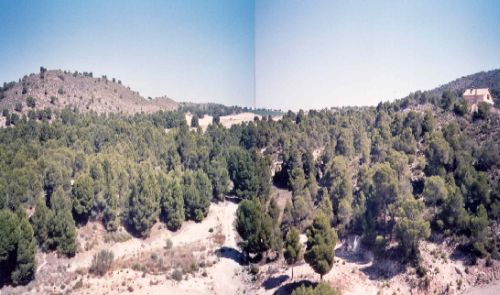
[489,79]
[58,89]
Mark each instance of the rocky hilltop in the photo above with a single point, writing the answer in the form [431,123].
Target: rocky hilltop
[57,89]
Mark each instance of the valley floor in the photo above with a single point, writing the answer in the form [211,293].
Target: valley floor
[145,266]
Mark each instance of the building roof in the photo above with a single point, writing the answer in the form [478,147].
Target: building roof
[477,91]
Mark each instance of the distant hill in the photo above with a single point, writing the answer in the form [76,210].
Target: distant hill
[489,79]
[58,89]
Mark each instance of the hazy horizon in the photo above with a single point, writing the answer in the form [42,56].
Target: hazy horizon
[279,54]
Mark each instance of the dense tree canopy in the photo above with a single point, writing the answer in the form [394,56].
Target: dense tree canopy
[390,173]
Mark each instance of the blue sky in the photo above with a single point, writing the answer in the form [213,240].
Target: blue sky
[194,50]
[308,54]
[314,54]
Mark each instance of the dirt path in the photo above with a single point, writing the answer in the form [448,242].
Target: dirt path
[490,289]
[190,232]
[224,277]
[41,265]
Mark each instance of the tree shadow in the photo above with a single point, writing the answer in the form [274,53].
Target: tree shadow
[384,269]
[133,232]
[274,282]
[232,199]
[231,253]
[361,257]
[460,254]
[288,288]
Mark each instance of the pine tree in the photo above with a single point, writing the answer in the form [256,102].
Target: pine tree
[83,196]
[325,206]
[195,121]
[144,203]
[217,172]
[479,230]
[9,238]
[345,142]
[435,191]
[197,195]
[3,194]
[111,214]
[411,226]
[439,154]
[322,288]
[321,241]
[292,247]
[61,225]
[26,252]
[250,173]
[111,210]
[297,180]
[383,191]
[301,210]
[40,220]
[287,218]
[338,182]
[274,210]
[254,227]
[172,204]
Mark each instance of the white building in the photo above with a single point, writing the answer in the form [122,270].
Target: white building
[474,96]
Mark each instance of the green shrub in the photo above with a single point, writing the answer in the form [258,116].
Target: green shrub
[18,107]
[101,262]
[168,244]
[177,275]
[30,102]
[254,269]
[136,266]
[488,262]
[322,288]
[483,110]
[421,270]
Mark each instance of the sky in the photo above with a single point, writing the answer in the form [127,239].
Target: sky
[285,54]
[189,50]
[316,54]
